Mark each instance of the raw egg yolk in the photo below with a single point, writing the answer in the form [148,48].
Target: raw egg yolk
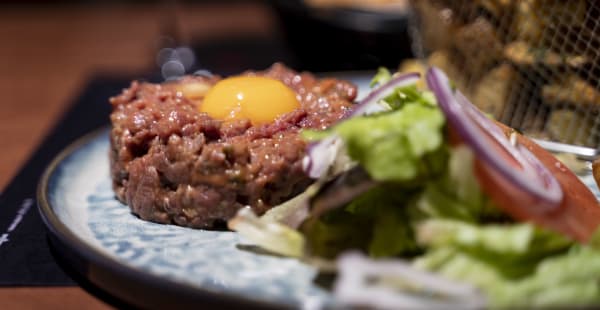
[259,99]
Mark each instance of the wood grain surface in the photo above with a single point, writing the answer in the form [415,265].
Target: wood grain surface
[48,52]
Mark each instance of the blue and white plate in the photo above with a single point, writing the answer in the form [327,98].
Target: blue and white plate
[149,264]
[155,265]
[79,206]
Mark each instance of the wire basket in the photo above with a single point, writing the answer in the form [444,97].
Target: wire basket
[532,64]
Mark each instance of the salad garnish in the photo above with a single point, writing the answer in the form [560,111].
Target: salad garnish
[422,201]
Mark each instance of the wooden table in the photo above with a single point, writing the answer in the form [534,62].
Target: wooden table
[46,55]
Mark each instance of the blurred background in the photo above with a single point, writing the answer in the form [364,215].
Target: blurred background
[533,64]
[49,50]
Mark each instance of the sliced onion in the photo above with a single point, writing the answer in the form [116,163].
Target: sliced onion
[269,235]
[370,104]
[522,154]
[321,155]
[475,129]
[396,284]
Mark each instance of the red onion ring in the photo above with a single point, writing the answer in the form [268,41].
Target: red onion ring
[370,104]
[519,152]
[475,129]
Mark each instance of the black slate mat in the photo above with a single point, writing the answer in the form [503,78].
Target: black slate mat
[25,259]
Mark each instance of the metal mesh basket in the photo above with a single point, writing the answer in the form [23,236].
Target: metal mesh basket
[532,64]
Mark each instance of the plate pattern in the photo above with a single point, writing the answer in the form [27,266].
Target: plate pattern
[80,192]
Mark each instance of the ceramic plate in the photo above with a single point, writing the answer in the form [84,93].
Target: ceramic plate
[148,264]
[152,265]
[81,204]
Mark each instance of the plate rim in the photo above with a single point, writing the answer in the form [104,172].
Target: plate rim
[190,295]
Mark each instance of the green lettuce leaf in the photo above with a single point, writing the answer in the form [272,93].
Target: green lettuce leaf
[501,242]
[335,232]
[409,94]
[400,146]
[566,280]
[375,222]
[456,194]
[404,145]
[391,231]
[381,77]
[516,265]
[271,235]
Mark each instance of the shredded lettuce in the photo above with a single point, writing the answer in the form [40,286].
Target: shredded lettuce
[270,235]
[402,145]
[336,232]
[294,211]
[511,241]
[382,76]
[566,278]
[391,233]
[428,208]
[456,194]
[373,222]
[409,94]
[517,265]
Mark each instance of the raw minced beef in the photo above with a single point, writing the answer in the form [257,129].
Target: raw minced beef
[173,164]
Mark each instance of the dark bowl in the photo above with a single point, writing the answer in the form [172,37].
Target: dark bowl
[333,39]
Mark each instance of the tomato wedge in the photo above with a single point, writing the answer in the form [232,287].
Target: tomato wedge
[578,215]
[522,178]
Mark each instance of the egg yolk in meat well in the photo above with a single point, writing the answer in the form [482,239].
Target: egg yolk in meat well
[259,99]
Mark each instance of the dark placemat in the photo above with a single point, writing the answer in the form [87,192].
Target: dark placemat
[25,259]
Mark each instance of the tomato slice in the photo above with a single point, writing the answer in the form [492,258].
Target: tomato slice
[579,213]
[524,179]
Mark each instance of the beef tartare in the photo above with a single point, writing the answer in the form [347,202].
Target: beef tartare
[173,163]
